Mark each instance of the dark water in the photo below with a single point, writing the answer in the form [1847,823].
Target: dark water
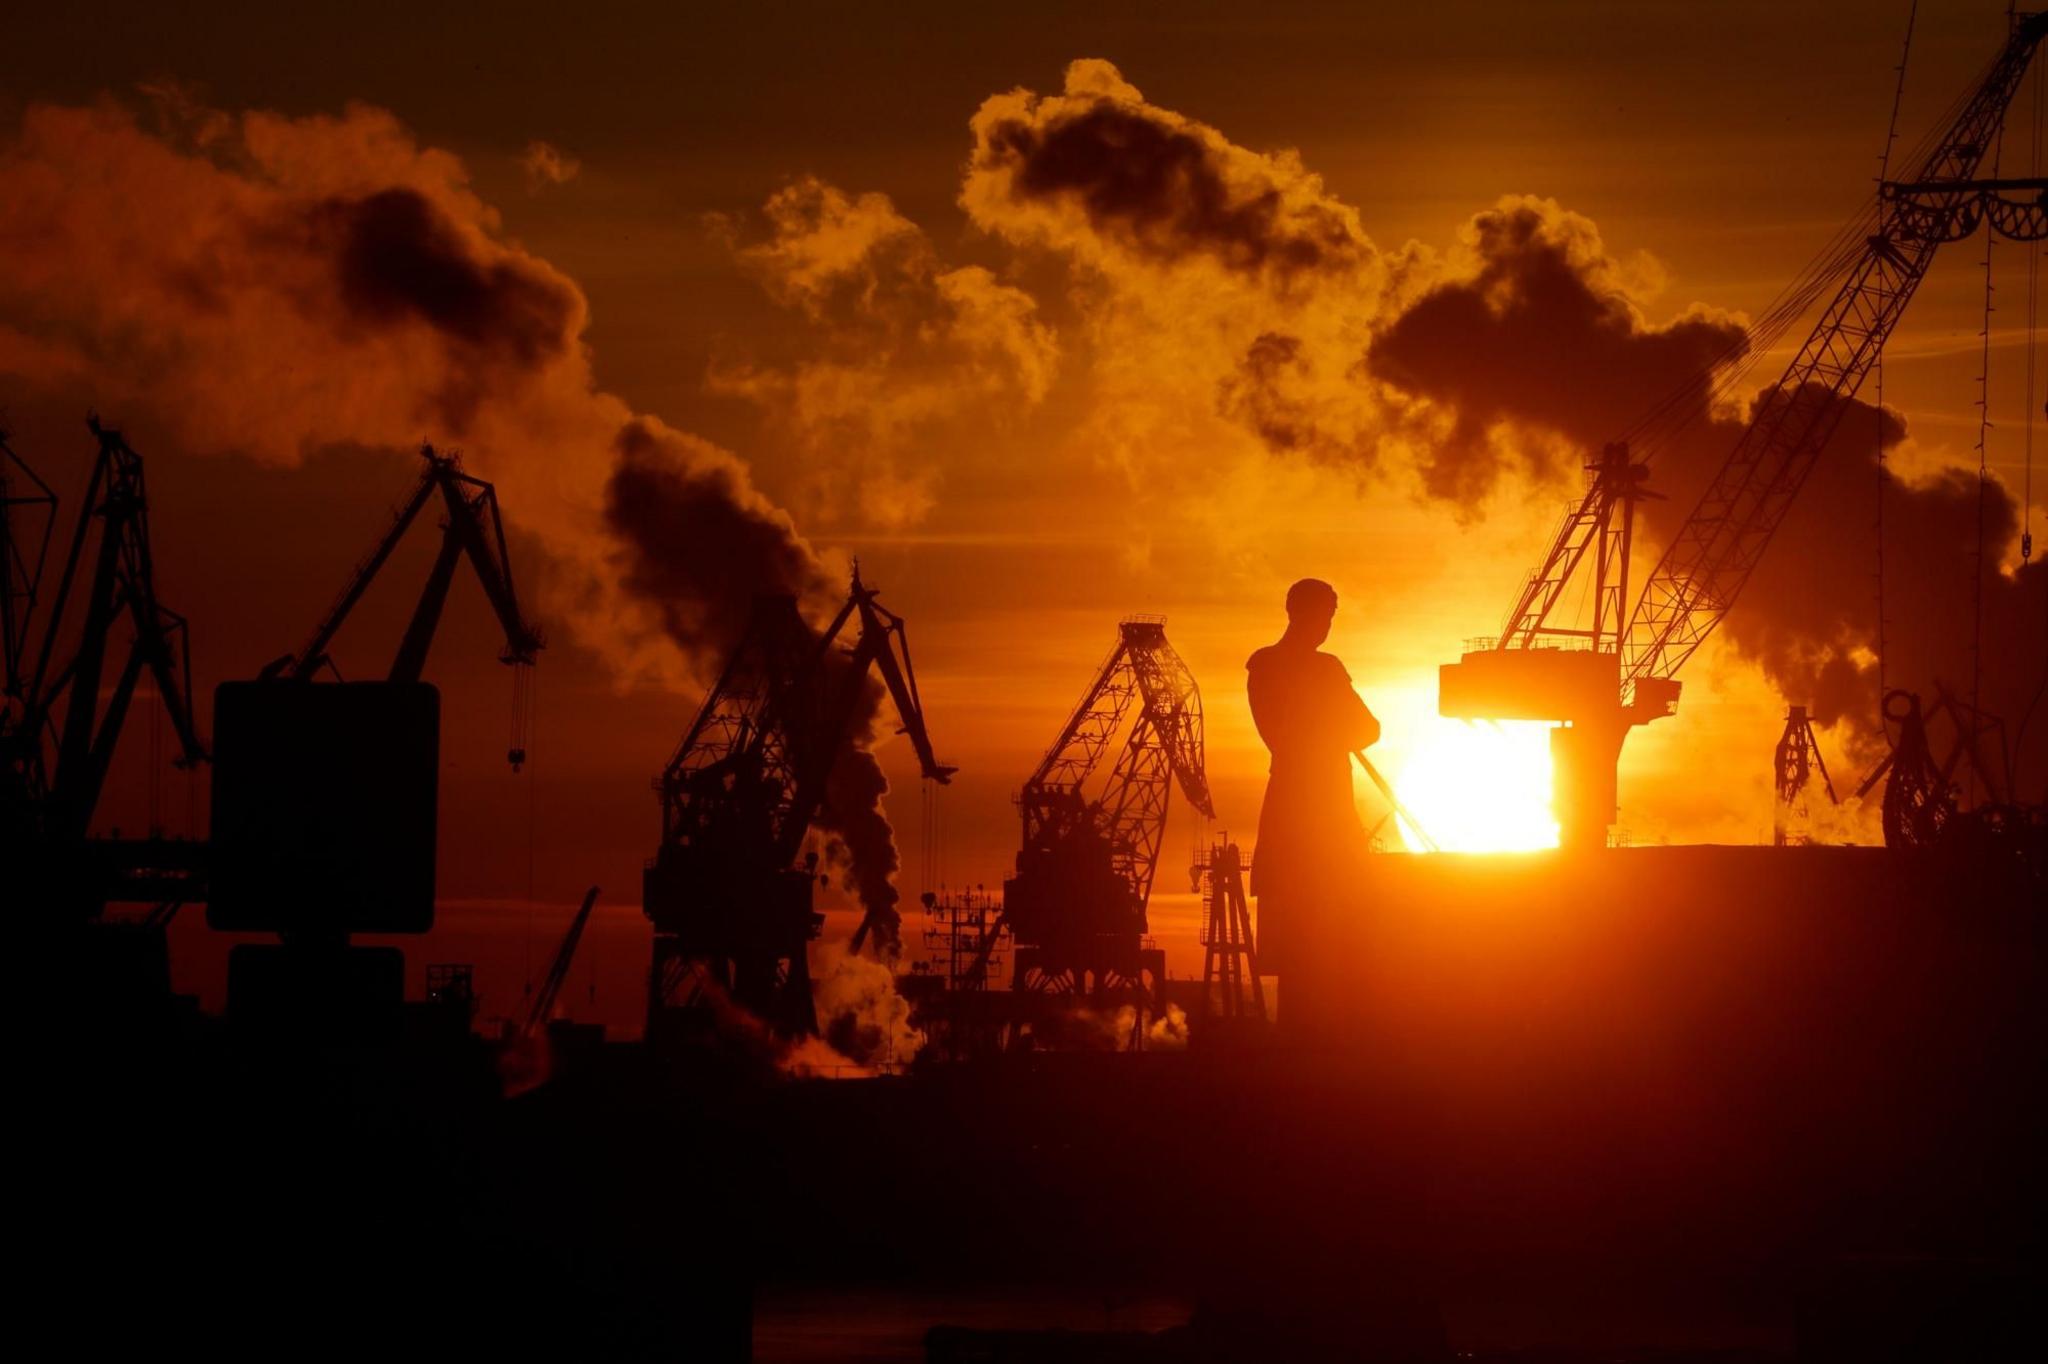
[799,1325]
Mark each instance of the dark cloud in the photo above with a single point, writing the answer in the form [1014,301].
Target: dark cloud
[1808,616]
[696,543]
[1277,394]
[1164,188]
[1541,336]
[700,547]
[399,261]
[397,258]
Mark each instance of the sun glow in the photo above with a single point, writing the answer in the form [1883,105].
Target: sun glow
[1479,787]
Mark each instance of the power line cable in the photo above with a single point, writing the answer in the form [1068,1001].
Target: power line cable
[1884,163]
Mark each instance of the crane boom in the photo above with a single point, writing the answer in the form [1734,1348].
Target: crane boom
[1601,682]
[22,556]
[474,530]
[1077,904]
[66,699]
[1705,566]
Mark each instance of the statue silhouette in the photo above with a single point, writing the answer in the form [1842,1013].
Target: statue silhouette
[1310,838]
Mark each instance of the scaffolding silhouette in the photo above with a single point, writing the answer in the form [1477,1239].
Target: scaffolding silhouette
[949,990]
[1230,954]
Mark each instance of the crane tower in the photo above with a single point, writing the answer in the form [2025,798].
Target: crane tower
[1622,672]
[1076,907]
[729,890]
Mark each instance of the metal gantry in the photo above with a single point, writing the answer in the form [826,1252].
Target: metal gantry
[1077,904]
[543,1007]
[472,529]
[730,890]
[64,712]
[1707,563]
[1230,951]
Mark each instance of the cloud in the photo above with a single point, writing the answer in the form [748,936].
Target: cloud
[270,286]
[1808,617]
[904,360]
[1540,332]
[1282,395]
[1536,351]
[697,541]
[1221,295]
[1098,169]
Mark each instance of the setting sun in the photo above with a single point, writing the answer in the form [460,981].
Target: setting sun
[1479,787]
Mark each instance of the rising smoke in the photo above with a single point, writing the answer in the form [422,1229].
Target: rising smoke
[290,283]
[270,286]
[1543,337]
[1227,291]
[904,356]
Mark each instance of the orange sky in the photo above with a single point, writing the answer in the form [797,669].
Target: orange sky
[795,238]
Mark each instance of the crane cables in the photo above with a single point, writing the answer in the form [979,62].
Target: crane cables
[1983,470]
[1716,381]
[1884,166]
[1713,383]
[2033,324]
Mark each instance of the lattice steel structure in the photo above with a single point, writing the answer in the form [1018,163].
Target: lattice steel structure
[1707,563]
[64,708]
[729,897]
[1230,950]
[1076,906]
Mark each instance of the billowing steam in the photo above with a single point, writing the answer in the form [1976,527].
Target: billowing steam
[696,540]
[1543,338]
[269,286]
[904,355]
[1100,171]
[860,1014]
[1166,306]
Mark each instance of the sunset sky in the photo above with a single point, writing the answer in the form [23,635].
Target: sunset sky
[1047,314]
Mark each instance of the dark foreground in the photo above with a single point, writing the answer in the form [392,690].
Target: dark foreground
[1672,1104]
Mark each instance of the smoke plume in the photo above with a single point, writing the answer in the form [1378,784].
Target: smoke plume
[1542,338]
[860,1014]
[267,286]
[1220,295]
[1100,170]
[905,358]
[697,541]
[1539,353]
[860,846]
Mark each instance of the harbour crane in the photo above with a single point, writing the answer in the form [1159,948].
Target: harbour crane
[63,717]
[325,796]
[472,529]
[1602,681]
[1230,953]
[730,889]
[1076,907]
